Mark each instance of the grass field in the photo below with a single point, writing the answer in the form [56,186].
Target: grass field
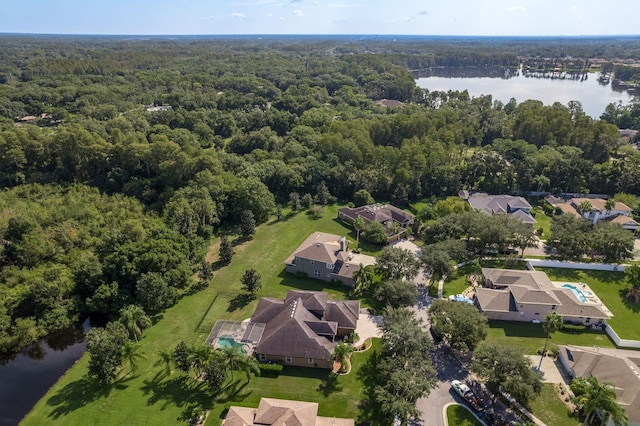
[151,397]
[460,416]
[542,221]
[609,286]
[529,337]
[550,409]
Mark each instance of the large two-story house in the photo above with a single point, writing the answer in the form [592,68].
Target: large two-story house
[327,257]
[385,214]
[513,295]
[618,213]
[516,207]
[301,330]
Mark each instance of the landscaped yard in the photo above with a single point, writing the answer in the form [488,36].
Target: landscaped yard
[529,337]
[550,409]
[457,283]
[150,396]
[542,221]
[460,416]
[609,286]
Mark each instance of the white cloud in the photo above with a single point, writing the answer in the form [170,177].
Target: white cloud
[269,15]
[389,20]
[574,7]
[281,18]
[238,15]
[297,12]
[423,12]
[516,9]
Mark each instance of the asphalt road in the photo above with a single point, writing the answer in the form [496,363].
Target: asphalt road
[449,367]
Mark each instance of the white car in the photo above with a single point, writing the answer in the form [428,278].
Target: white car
[460,388]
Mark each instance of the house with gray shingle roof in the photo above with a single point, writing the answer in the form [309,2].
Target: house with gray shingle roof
[301,329]
[327,257]
[621,370]
[385,214]
[517,207]
[513,295]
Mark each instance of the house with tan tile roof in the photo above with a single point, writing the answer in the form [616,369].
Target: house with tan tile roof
[281,412]
[301,329]
[516,207]
[385,214]
[619,213]
[327,257]
[513,295]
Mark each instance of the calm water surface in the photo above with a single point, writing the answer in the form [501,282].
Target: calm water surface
[25,379]
[593,95]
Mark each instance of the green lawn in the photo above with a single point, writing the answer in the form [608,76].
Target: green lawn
[542,221]
[459,416]
[529,337]
[609,286]
[550,409]
[150,397]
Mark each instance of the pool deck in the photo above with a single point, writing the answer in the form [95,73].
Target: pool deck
[592,299]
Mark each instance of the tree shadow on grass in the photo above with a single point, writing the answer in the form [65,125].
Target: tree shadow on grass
[179,391]
[330,384]
[232,392]
[370,378]
[78,394]
[239,302]
[629,302]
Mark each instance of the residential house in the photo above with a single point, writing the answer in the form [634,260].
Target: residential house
[281,412]
[513,295]
[327,258]
[301,330]
[385,214]
[516,207]
[389,103]
[621,370]
[618,213]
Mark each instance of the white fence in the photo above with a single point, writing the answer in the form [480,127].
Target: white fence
[621,343]
[541,263]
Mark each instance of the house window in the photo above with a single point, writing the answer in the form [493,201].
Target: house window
[287,359]
[536,313]
[316,273]
[310,360]
[521,314]
[553,307]
[588,320]
[263,357]
[296,260]
[312,262]
[329,265]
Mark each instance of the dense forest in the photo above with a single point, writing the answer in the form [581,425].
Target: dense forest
[109,200]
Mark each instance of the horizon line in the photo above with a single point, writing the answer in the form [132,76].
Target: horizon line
[317,35]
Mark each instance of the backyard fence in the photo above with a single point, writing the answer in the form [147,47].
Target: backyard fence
[542,263]
[621,343]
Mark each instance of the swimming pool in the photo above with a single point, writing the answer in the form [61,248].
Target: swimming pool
[579,294]
[227,341]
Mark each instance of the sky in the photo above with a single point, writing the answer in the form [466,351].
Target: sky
[401,17]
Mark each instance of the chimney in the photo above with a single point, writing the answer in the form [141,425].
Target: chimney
[343,244]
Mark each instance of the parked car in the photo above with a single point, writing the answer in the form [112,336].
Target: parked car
[467,394]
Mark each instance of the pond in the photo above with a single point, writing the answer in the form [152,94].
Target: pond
[594,95]
[27,377]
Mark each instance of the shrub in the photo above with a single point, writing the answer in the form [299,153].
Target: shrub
[352,337]
[576,328]
[270,370]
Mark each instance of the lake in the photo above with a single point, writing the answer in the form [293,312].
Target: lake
[28,377]
[592,94]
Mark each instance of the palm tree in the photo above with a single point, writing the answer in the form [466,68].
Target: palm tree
[165,359]
[135,320]
[632,273]
[585,207]
[233,358]
[552,323]
[593,396]
[363,278]
[359,224]
[249,365]
[341,354]
[131,355]
[198,358]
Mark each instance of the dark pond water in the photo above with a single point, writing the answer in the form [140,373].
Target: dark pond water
[594,95]
[26,378]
